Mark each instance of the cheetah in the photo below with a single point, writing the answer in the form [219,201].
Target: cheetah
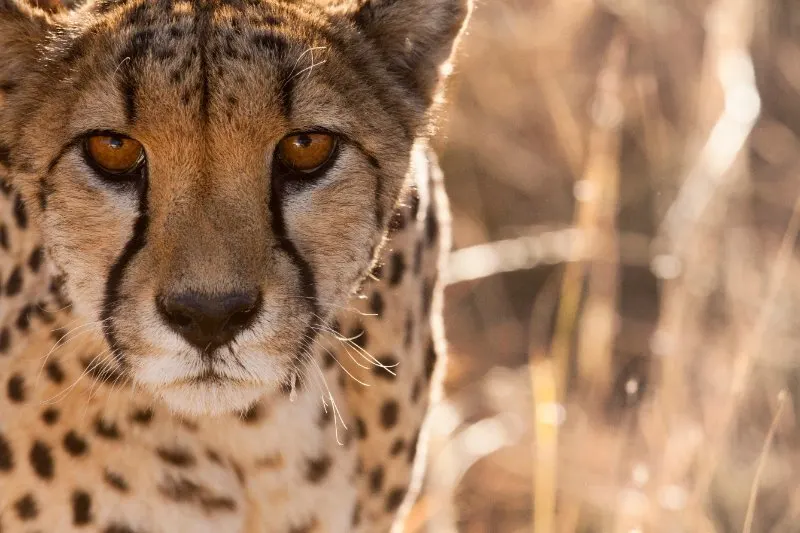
[221,232]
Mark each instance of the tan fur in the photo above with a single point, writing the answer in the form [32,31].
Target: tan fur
[209,88]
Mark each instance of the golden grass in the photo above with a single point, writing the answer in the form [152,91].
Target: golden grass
[625,179]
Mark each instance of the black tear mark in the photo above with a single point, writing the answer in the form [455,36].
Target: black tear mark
[114,281]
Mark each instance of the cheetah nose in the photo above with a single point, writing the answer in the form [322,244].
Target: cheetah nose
[208,321]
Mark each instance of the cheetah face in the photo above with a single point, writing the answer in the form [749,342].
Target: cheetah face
[214,177]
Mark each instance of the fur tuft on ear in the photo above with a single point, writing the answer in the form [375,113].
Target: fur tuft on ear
[22,29]
[416,36]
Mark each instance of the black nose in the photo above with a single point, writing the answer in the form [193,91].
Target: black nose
[208,321]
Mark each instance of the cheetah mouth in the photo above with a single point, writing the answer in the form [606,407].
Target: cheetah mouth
[208,377]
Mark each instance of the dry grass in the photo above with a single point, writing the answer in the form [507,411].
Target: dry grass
[624,307]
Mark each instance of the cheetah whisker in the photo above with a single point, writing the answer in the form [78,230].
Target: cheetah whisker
[336,413]
[345,369]
[292,74]
[58,397]
[355,362]
[61,342]
[361,351]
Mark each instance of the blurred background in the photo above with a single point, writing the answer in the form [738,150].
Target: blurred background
[624,295]
[623,300]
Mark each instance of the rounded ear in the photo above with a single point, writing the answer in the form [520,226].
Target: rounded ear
[22,29]
[416,36]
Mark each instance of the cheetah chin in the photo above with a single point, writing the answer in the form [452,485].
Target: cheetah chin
[209,399]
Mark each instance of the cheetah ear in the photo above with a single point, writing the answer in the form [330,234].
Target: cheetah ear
[416,36]
[22,29]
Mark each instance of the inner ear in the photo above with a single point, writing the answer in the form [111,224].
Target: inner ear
[415,36]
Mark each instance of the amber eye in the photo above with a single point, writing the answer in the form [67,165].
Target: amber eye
[115,154]
[306,152]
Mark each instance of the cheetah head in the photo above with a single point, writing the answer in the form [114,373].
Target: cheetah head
[214,177]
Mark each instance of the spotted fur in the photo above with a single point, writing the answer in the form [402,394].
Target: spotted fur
[311,420]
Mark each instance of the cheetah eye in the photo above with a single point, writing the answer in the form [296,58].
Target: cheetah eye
[114,154]
[306,152]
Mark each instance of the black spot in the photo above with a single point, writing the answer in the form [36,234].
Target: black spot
[213,456]
[325,416]
[416,390]
[41,459]
[430,360]
[361,428]
[397,447]
[252,415]
[74,444]
[81,508]
[116,481]
[408,335]
[14,283]
[183,490]
[431,227]
[50,416]
[3,237]
[54,372]
[23,322]
[16,388]
[376,479]
[397,222]
[427,297]
[389,369]
[142,416]
[35,259]
[358,336]
[237,469]
[188,424]
[377,270]
[5,340]
[26,508]
[20,215]
[5,155]
[106,429]
[389,414]
[376,304]
[270,42]
[7,87]
[317,469]
[397,268]
[412,448]
[418,257]
[176,456]
[6,455]
[356,519]
[395,498]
